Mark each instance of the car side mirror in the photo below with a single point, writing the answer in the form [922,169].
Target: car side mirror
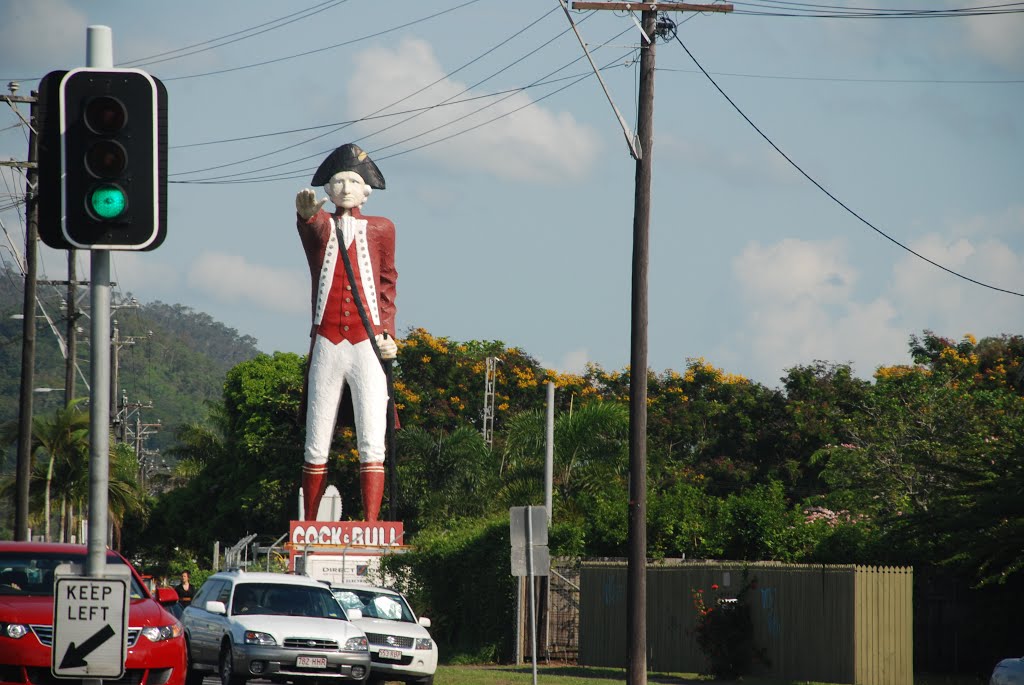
[353,614]
[424,621]
[166,595]
[215,607]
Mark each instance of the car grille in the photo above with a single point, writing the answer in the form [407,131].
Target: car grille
[310,643]
[45,635]
[384,640]
[43,676]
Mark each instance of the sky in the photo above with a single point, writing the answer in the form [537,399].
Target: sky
[512,188]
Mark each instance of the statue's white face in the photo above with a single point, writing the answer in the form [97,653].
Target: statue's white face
[347,189]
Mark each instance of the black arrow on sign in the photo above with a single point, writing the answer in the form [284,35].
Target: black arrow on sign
[75,656]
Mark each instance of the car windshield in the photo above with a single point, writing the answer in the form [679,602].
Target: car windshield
[374,604]
[287,600]
[31,573]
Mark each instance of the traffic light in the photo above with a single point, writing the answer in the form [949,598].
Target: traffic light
[103,160]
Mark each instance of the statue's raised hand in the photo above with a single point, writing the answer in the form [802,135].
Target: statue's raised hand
[306,203]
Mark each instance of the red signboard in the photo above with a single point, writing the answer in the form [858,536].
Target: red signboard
[347,533]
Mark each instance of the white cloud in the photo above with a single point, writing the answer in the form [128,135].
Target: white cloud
[575,361]
[533,142]
[233,279]
[804,304]
[998,38]
[802,308]
[952,306]
[41,28]
[140,273]
[795,270]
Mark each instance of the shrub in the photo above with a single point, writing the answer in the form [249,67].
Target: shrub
[725,631]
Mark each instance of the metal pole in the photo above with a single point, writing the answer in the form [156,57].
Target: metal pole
[28,341]
[532,590]
[100,53]
[115,348]
[71,333]
[636,583]
[549,457]
[276,543]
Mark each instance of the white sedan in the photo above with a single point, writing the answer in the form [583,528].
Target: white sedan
[400,646]
[1007,672]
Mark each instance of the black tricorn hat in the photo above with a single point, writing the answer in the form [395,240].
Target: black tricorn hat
[349,157]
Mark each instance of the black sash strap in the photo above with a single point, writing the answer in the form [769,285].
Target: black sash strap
[356,287]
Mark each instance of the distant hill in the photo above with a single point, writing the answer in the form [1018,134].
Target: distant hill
[172,356]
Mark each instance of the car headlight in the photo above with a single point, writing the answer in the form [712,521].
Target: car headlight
[253,637]
[14,630]
[424,643]
[161,633]
[356,644]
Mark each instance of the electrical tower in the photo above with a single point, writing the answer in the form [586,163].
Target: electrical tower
[489,381]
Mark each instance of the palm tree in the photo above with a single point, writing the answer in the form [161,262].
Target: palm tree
[62,438]
[126,494]
[199,444]
[445,476]
[589,454]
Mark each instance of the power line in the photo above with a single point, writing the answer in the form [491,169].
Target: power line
[475,85]
[830,195]
[778,9]
[324,49]
[290,175]
[278,23]
[836,79]
[381,110]
[369,117]
[346,124]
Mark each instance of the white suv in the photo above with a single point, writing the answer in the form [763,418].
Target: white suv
[400,646]
[274,626]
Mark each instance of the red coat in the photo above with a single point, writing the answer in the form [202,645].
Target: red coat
[380,252]
[380,243]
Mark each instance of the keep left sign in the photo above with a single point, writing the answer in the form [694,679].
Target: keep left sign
[90,626]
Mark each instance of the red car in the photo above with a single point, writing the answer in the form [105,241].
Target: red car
[156,645]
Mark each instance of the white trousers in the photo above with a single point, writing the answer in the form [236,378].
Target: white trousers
[331,368]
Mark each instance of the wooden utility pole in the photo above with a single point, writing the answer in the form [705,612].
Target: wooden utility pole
[28,333]
[636,574]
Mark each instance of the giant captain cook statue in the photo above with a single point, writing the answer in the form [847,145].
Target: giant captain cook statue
[352,265]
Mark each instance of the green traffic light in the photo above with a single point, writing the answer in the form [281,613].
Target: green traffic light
[107,201]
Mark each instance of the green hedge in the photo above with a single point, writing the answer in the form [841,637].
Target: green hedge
[461,578]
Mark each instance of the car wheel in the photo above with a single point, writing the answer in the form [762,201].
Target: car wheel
[192,676]
[429,680]
[227,668]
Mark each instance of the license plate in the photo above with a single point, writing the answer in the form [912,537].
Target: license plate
[390,654]
[311,662]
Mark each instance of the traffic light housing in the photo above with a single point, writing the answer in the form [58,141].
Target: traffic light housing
[102,160]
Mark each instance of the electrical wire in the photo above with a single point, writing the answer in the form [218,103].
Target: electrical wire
[324,49]
[475,85]
[291,18]
[581,77]
[370,118]
[830,195]
[834,79]
[375,112]
[834,12]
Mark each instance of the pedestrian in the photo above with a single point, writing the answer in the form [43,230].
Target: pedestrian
[185,589]
[351,260]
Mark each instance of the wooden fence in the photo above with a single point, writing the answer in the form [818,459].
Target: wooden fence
[837,624]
